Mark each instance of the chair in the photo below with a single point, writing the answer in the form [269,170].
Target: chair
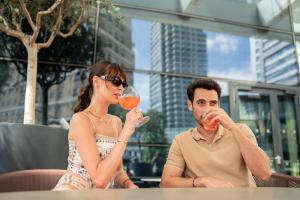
[29,180]
[280,180]
[28,146]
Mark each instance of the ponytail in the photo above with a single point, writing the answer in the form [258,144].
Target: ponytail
[84,99]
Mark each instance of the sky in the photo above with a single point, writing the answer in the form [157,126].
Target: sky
[228,57]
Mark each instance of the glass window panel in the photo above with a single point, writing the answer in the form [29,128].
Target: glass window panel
[115,41]
[212,14]
[184,50]
[12,93]
[289,135]
[296,15]
[145,163]
[298,52]
[161,60]
[255,111]
[76,50]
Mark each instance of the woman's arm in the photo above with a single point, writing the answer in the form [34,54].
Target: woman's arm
[100,172]
[122,178]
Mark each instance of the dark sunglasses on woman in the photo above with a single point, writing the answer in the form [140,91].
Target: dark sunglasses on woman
[116,81]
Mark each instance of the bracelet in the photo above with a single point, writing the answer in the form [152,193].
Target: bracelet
[123,183]
[194,179]
[123,141]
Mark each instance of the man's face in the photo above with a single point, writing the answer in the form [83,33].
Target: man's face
[203,100]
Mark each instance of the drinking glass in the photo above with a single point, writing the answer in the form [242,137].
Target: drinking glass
[130,99]
[209,127]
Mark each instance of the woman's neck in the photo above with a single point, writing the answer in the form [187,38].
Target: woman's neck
[98,106]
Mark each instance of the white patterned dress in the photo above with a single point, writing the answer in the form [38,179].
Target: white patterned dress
[77,177]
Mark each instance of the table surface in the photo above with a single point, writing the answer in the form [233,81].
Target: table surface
[157,193]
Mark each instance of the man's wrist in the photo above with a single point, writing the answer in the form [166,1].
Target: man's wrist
[200,181]
[194,181]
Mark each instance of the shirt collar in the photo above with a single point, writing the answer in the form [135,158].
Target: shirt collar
[198,136]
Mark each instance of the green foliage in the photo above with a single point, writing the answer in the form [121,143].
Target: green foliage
[77,48]
[64,16]
[153,133]
[150,133]
[70,10]
[117,111]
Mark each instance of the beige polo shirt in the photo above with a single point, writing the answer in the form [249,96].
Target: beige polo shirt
[221,159]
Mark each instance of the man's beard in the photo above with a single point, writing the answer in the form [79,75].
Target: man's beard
[198,121]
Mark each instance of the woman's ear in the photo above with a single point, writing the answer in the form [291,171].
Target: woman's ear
[96,81]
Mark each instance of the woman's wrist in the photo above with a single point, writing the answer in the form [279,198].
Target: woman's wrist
[127,132]
[122,141]
[124,136]
[126,182]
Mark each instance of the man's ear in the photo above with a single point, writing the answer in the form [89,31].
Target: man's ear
[190,105]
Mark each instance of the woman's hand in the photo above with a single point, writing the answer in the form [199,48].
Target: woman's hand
[130,185]
[132,118]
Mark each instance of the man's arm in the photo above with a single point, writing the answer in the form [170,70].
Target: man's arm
[255,158]
[173,169]
[172,177]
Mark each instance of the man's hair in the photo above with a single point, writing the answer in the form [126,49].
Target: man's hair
[205,83]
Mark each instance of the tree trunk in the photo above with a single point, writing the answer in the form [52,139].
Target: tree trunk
[29,107]
[45,105]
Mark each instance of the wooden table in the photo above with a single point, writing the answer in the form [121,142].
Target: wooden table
[157,193]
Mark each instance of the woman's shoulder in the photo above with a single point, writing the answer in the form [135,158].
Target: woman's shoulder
[79,123]
[114,118]
[80,117]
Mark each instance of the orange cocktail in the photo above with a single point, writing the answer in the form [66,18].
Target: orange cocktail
[128,102]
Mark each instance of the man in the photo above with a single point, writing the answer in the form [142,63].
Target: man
[217,152]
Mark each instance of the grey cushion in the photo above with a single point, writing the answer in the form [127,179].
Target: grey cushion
[32,147]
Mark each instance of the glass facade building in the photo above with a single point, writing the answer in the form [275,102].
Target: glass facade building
[175,49]
[251,47]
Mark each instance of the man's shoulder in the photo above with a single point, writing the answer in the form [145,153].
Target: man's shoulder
[245,129]
[243,126]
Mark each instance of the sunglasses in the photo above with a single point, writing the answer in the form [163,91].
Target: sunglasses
[116,81]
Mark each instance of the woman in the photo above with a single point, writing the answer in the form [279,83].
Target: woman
[97,140]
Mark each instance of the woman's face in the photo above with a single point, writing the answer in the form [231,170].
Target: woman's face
[111,88]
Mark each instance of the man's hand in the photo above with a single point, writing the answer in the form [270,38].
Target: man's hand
[212,182]
[219,115]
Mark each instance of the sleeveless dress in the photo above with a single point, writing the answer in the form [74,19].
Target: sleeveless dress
[77,177]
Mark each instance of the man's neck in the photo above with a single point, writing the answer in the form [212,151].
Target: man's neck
[207,135]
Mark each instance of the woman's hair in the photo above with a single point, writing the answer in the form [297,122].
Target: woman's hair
[101,68]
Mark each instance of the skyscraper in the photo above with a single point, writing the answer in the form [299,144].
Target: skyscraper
[180,50]
[275,61]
